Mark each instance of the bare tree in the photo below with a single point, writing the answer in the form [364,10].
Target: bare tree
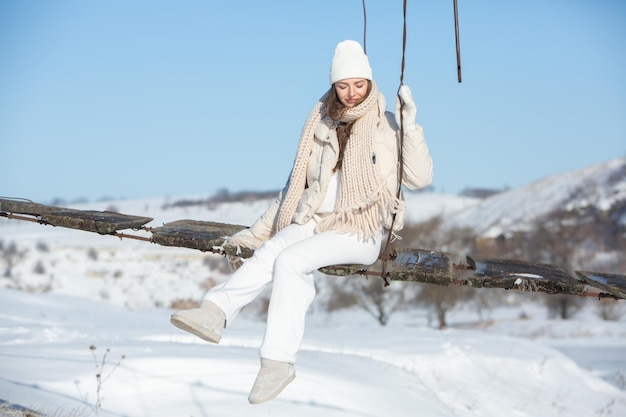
[611,310]
[11,256]
[552,241]
[379,301]
[563,306]
[442,299]
[340,293]
[455,241]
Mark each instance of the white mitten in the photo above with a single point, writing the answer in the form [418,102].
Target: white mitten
[243,238]
[404,101]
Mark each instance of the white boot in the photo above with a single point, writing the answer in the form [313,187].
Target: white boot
[207,321]
[273,377]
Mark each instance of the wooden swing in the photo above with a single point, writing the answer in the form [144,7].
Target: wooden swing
[403,264]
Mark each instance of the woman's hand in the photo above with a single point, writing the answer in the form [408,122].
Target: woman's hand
[405,103]
[243,238]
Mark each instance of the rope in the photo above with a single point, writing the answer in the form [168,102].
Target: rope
[364,28]
[458,40]
[403,44]
[387,255]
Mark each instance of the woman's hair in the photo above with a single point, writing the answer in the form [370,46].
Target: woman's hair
[335,110]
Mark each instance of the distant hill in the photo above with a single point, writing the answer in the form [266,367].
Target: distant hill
[576,220]
[599,188]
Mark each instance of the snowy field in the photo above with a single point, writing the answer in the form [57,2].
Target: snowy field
[349,365]
[514,362]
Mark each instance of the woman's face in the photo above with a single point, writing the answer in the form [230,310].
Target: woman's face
[351,91]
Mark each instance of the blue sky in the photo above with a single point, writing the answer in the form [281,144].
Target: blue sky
[134,99]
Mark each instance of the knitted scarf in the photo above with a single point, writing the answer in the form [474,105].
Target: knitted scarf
[364,201]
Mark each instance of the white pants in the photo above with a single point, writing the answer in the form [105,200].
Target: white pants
[289,258]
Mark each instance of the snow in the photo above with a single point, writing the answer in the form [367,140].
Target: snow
[523,275]
[115,294]
[517,209]
[348,366]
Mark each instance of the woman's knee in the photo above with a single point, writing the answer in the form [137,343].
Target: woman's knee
[290,262]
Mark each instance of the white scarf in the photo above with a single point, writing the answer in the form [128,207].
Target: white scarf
[364,201]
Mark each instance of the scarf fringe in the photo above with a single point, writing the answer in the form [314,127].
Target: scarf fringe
[365,221]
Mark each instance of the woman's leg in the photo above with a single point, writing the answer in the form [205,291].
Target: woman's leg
[294,288]
[256,272]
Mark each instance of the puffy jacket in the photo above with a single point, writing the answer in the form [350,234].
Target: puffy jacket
[417,169]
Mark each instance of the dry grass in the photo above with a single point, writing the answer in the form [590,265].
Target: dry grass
[14,410]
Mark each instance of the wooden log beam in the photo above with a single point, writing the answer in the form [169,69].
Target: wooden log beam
[521,275]
[611,283]
[421,265]
[406,264]
[23,206]
[102,222]
[201,235]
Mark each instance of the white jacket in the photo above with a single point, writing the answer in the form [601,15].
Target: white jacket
[418,170]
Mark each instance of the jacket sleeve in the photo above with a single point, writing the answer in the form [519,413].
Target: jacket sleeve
[254,236]
[416,159]
[262,227]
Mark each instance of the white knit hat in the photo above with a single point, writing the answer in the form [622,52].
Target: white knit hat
[349,62]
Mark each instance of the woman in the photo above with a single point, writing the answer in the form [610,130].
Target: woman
[340,198]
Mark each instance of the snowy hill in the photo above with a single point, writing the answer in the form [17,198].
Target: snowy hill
[602,186]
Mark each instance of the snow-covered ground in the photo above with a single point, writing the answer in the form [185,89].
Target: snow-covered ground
[90,290]
[349,365]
